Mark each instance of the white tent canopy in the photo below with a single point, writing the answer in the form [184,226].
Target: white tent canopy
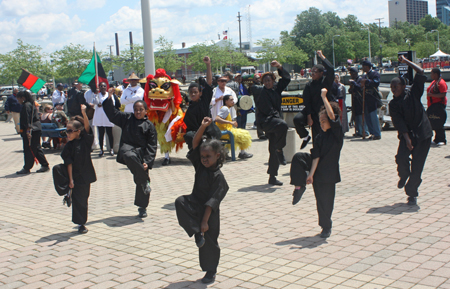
[439,53]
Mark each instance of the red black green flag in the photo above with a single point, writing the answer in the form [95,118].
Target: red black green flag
[30,81]
[89,76]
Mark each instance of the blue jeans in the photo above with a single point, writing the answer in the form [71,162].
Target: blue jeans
[371,118]
[358,125]
[242,119]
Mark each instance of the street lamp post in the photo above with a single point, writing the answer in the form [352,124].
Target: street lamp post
[149,57]
[438,36]
[370,53]
[332,40]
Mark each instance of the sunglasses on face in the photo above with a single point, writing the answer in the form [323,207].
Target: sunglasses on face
[71,130]
[102,85]
[222,80]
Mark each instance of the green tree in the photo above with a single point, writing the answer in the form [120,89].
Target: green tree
[429,22]
[166,57]
[70,61]
[132,60]
[283,51]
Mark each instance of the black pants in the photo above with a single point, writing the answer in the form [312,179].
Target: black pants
[276,131]
[135,163]
[438,116]
[101,134]
[324,192]
[33,150]
[300,121]
[412,167]
[190,214]
[259,130]
[80,193]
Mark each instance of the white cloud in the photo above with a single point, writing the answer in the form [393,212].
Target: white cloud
[90,4]
[31,7]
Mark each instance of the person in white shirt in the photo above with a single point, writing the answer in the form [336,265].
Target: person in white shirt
[132,93]
[101,121]
[58,96]
[217,99]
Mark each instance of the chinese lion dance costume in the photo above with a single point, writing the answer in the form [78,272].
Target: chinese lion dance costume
[163,98]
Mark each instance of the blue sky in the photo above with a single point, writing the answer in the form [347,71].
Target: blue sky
[55,23]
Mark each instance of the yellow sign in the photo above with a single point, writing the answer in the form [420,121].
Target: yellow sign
[291,100]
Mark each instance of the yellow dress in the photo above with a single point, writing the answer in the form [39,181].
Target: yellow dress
[242,138]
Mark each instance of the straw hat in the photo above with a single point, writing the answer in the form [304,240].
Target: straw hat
[133,76]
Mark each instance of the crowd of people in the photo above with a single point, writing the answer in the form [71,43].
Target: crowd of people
[212,110]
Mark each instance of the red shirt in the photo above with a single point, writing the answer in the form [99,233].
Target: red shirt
[442,86]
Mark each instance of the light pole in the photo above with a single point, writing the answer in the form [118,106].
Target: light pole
[149,57]
[370,53]
[332,40]
[438,36]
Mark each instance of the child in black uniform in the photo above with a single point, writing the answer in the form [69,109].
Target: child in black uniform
[74,177]
[138,145]
[199,107]
[322,164]
[198,213]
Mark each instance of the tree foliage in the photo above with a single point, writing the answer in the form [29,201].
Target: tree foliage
[284,51]
[166,57]
[70,61]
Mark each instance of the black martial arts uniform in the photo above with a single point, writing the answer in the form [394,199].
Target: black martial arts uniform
[195,113]
[210,187]
[77,153]
[256,90]
[270,120]
[75,101]
[138,145]
[409,116]
[313,101]
[29,119]
[327,147]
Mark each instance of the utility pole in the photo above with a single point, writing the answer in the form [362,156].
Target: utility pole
[379,35]
[117,44]
[131,45]
[148,40]
[240,39]
[110,49]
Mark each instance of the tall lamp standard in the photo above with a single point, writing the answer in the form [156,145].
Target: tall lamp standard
[438,36]
[370,53]
[332,40]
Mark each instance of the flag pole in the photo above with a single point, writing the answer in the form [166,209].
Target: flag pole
[96,68]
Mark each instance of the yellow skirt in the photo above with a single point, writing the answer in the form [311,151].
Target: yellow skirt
[242,138]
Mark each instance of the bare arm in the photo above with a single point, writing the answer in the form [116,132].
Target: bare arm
[414,66]
[204,226]
[310,178]
[198,135]
[437,95]
[221,120]
[207,61]
[327,104]
[85,118]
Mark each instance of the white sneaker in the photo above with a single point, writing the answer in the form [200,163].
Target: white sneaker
[440,143]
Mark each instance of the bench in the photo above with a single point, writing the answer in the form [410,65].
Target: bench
[229,141]
[52,130]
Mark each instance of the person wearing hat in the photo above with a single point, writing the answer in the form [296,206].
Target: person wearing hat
[58,96]
[370,82]
[124,85]
[356,92]
[132,93]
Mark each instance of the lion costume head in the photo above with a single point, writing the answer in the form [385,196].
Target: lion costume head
[160,89]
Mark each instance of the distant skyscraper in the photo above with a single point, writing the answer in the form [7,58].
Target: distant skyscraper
[443,11]
[407,11]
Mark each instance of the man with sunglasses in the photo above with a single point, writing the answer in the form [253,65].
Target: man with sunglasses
[322,77]
[132,93]
[218,93]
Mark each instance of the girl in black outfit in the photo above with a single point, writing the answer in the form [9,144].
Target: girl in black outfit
[73,178]
[198,213]
[138,145]
[31,131]
[270,119]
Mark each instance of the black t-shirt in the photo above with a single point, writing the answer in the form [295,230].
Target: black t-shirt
[78,153]
[327,147]
[210,186]
[29,117]
[198,110]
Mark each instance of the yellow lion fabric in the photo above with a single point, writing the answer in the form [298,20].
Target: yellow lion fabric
[242,138]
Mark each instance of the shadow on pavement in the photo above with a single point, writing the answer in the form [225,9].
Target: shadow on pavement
[59,238]
[12,139]
[173,162]
[259,188]
[304,242]
[118,221]
[395,209]
[13,176]
[169,206]
[360,139]
[185,284]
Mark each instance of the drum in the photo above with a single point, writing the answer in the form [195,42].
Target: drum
[245,102]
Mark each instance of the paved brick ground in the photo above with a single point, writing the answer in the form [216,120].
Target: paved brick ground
[377,241]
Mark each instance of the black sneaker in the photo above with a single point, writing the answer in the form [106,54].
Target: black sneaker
[244,155]
[82,229]
[402,182]
[305,142]
[262,137]
[101,154]
[298,193]
[325,233]
[147,188]
[412,201]
[199,239]
[23,172]
[273,181]
[68,199]
[210,277]
[43,169]
[166,162]
[142,212]
[280,157]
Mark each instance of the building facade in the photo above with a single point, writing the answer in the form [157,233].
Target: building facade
[443,11]
[407,11]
